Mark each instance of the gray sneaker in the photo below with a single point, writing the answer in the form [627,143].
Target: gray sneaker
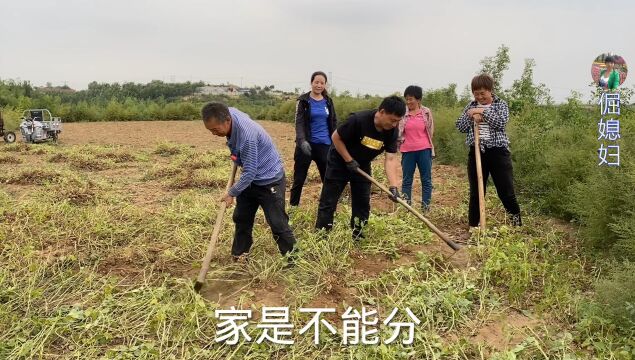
[242,258]
[515,220]
[425,208]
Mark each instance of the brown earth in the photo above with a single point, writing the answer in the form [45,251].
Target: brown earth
[450,189]
[147,135]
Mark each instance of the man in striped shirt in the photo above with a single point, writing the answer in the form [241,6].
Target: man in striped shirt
[261,183]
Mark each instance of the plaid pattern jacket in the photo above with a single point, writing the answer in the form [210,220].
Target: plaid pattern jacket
[497,116]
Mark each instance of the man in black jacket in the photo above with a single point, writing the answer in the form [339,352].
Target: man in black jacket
[363,136]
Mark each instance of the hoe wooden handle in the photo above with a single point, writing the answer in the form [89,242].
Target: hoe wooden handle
[440,233]
[217,226]
[479,176]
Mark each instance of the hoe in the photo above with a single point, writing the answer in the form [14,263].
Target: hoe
[441,234]
[217,226]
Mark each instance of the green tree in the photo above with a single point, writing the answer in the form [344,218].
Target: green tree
[466,95]
[441,97]
[496,66]
[524,92]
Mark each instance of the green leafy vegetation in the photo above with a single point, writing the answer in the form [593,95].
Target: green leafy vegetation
[98,244]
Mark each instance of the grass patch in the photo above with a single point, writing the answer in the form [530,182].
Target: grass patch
[74,190]
[167,149]
[79,160]
[10,159]
[201,179]
[32,176]
[16,147]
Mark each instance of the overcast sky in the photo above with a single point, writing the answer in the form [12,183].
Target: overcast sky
[368,46]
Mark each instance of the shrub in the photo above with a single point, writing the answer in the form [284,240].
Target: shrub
[616,296]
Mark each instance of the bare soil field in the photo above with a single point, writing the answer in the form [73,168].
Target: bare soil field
[170,176]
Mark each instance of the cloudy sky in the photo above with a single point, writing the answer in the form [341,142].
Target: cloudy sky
[368,46]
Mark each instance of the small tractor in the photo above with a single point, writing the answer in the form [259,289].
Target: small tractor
[9,136]
[38,125]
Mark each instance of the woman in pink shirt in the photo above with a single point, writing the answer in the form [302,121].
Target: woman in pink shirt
[415,141]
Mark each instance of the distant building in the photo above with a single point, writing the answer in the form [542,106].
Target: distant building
[235,91]
[65,89]
[278,94]
[227,90]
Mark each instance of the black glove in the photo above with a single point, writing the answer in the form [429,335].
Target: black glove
[306,148]
[394,194]
[352,166]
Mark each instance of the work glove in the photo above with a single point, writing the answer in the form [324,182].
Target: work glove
[306,148]
[352,166]
[394,194]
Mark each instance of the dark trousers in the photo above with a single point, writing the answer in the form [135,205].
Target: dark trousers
[271,198]
[301,164]
[331,191]
[497,162]
[423,160]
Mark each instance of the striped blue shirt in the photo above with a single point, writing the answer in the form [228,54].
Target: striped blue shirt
[252,149]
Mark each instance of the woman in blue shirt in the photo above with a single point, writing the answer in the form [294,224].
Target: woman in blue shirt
[315,122]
